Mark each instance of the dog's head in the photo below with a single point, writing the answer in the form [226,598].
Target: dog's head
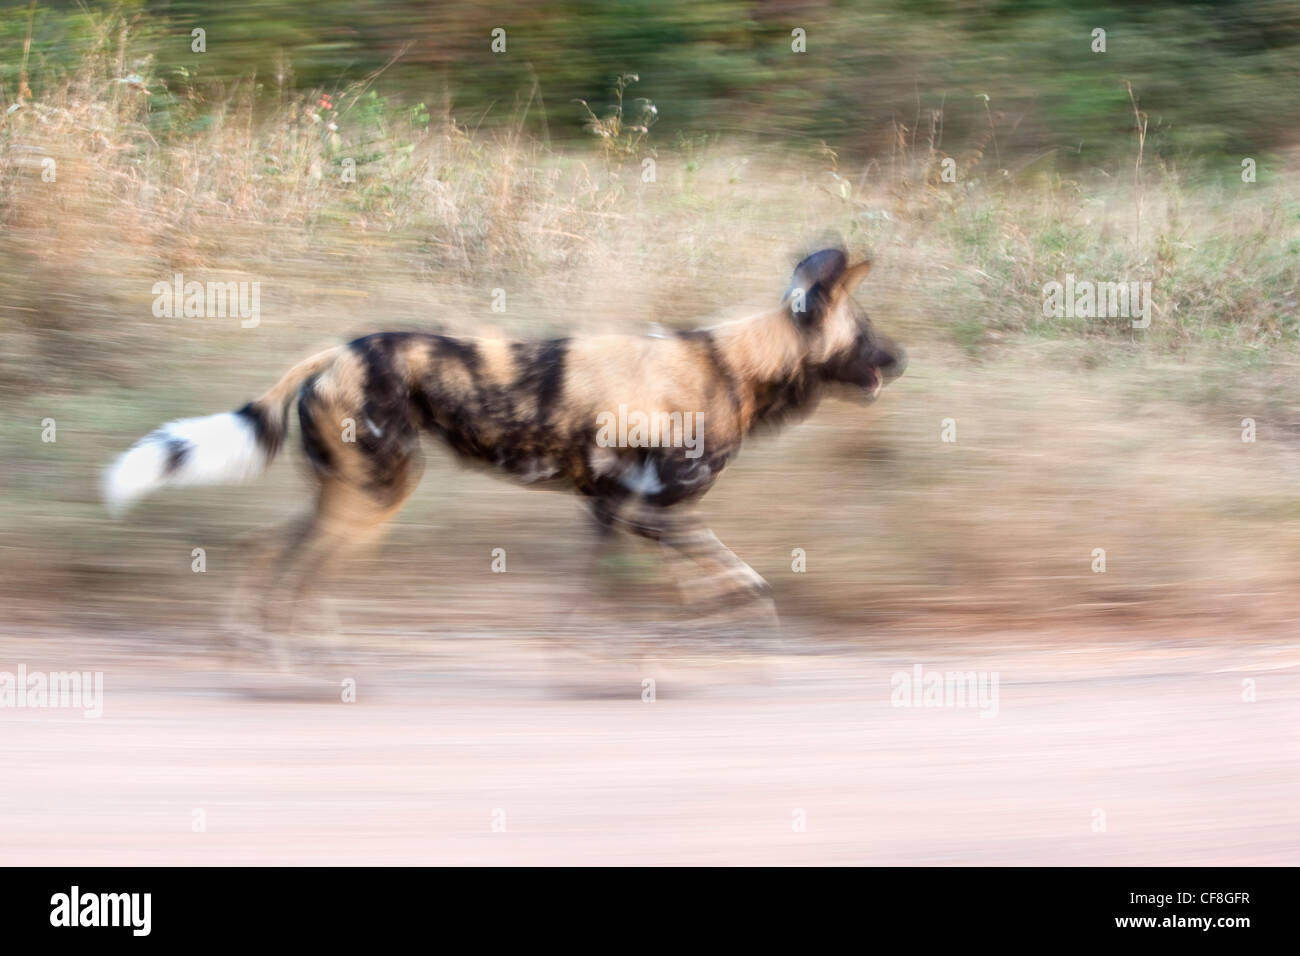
[843,348]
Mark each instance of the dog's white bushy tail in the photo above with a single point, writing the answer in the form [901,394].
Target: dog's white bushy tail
[218,449]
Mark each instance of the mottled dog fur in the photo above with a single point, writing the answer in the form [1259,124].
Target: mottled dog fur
[530,410]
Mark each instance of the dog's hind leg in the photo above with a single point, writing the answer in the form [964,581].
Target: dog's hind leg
[265,551]
[365,450]
[348,519]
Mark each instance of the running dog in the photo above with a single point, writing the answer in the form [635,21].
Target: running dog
[639,426]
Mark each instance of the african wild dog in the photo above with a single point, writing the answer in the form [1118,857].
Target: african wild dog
[530,409]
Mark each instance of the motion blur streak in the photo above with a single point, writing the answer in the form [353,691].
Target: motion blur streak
[1081,494]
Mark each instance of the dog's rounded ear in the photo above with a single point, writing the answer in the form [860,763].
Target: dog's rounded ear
[853,277]
[813,287]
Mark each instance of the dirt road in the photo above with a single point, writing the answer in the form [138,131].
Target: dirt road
[493,750]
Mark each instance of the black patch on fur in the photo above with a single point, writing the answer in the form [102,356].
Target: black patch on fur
[504,425]
[705,338]
[682,478]
[386,432]
[790,399]
[541,371]
[817,276]
[268,437]
[453,414]
[313,444]
[854,365]
[177,451]
[464,352]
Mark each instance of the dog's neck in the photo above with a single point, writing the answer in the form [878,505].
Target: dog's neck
[768,359]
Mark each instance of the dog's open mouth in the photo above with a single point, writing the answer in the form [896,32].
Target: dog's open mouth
[871,390]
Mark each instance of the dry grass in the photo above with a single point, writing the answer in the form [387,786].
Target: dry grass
[1072,434]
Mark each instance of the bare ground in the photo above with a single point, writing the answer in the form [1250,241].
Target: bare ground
[448,736]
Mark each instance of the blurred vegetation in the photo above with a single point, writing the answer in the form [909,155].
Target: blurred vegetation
[1214,77]
[474,171]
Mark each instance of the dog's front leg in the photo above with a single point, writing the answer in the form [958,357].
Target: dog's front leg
[719,590]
